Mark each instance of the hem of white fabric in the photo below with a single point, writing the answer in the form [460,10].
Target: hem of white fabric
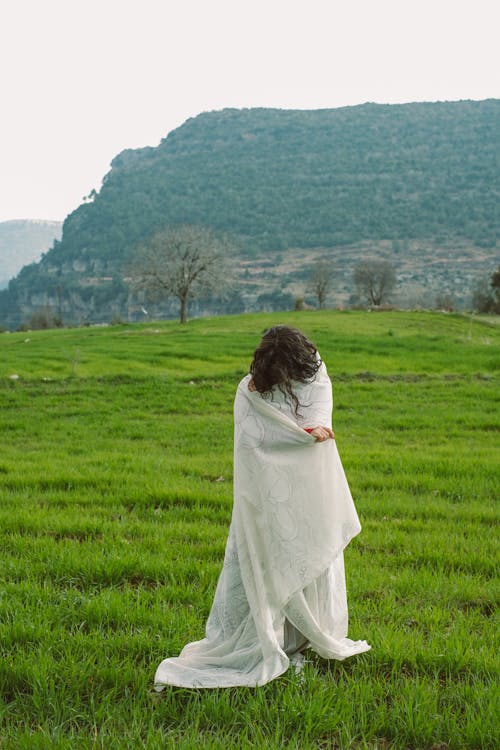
[160,686]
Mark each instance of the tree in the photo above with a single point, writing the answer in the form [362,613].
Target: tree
[444,301]
[482,300]
[320,281]
[495,285]
[486,295]
[374,280]
[43,318]
[184,262]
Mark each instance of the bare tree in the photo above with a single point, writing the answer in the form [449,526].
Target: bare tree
[320,281]
[182,262]
[444,301]
[495,286]
[486,294]
[374,279]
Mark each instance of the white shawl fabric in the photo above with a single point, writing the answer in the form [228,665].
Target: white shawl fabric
[282,585]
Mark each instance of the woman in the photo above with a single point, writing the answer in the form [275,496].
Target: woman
[282,586]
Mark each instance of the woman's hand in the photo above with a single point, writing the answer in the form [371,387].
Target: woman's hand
[322,433]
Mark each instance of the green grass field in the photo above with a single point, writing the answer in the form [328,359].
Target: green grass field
[113,527]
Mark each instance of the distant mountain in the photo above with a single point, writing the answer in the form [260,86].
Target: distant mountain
[419,180]
[23,241]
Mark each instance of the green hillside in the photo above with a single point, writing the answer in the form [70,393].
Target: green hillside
[115,504]
[277,180]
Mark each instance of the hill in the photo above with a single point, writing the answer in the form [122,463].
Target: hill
[421,178]
[23,241]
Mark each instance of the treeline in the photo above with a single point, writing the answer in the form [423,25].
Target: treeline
[162,293]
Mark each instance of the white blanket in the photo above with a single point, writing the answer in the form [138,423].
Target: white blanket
[282,585]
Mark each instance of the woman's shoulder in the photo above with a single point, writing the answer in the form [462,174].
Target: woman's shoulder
[321,361]
[320,373]
[244,383]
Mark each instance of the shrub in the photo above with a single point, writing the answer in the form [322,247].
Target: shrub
[42,319]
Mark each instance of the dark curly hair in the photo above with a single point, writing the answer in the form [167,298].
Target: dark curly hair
[284,356]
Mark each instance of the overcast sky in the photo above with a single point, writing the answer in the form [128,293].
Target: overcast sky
[80,81]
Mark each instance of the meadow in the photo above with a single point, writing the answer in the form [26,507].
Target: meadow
[115,501]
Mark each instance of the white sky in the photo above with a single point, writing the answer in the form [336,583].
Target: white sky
[80,81]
